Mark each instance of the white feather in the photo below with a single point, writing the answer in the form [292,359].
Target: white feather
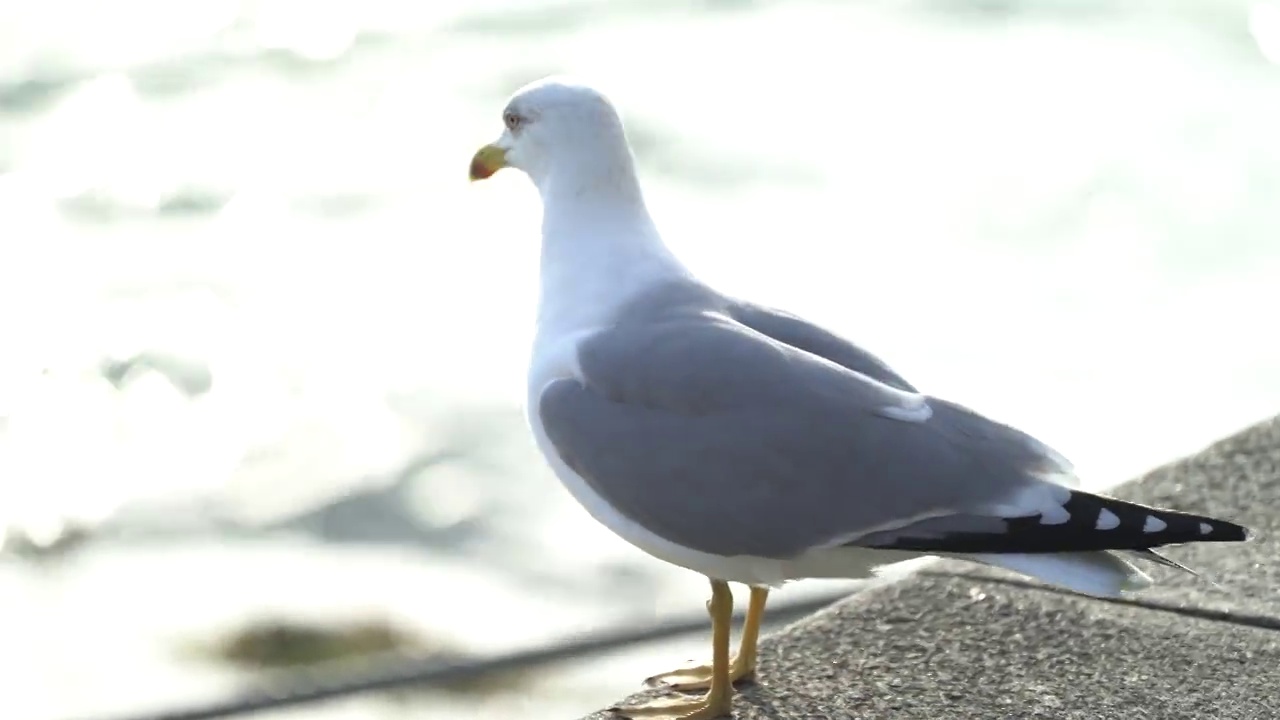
[1040,498]
[1092,573]
[912,409]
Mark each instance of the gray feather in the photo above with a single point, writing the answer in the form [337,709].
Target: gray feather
[803,334]
[726,440]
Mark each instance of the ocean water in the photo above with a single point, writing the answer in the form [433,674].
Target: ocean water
[262,338]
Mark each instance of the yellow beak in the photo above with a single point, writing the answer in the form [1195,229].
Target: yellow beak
[487,161]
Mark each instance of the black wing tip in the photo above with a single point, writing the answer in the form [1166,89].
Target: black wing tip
[1128,526]
[1206,529]
[1181,528]
[1177,527]
[1224,531]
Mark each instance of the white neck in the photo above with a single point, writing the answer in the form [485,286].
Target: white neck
[599,247]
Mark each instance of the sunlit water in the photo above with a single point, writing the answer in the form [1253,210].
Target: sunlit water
[1063,216]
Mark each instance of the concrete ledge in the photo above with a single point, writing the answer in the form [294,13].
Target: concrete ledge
[960,641]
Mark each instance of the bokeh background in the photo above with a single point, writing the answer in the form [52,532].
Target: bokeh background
[262,345]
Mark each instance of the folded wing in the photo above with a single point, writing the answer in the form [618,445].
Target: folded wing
[728,441]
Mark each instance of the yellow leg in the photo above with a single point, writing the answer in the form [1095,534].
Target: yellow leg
[719,698]
[743,665]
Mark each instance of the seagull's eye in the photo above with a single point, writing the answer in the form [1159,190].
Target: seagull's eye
[511,120]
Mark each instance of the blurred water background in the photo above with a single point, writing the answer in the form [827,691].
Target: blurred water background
[263,346]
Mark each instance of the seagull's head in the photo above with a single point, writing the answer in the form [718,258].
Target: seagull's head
[556,126]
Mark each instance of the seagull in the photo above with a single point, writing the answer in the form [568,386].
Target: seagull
[749,445]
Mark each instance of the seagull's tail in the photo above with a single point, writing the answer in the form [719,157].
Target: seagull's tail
[1101,574]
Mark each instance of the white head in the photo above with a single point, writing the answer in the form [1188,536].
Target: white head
[560,133]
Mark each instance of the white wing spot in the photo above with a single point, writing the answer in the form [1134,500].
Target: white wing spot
[1205,528]
[1043,499]
[1054,515]
[917,410]
[1154,524]
[1107,520]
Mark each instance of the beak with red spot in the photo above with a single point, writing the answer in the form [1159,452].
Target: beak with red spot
[487,161]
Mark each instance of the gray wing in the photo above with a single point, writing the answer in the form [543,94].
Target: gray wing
[722,439]
[800,333]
